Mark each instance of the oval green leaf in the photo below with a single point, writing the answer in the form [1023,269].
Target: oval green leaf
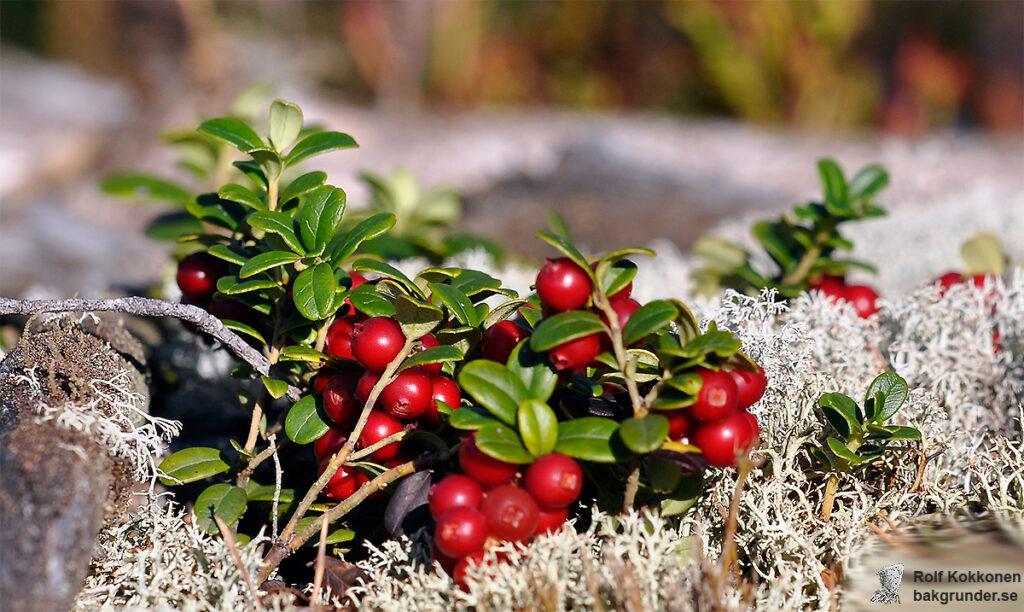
[234,132]
[644,435]
[285,124]
[534,369]
[501,442]
[538,427]
[145,187]
[302,185]
[313,292]
[223,500]
[278,223]
[306,421]
[494,387]
[320,216]
[266,261]
[563,327]
[889,391]
[344,244]
[471,418]
[416,318]
[437,354]
[321,142]
[650,318]
[591,439]
[241,195]
[192,464]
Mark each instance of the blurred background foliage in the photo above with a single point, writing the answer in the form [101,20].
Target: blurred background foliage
[904,67]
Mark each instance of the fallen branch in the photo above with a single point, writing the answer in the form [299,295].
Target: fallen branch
[148,307]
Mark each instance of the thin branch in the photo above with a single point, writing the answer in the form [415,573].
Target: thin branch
[148,307]
[379,444]
[321,559]
[229,539]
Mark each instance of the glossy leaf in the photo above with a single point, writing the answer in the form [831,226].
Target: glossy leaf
[615,275]
[388,271]
[538,427]
[494,387]
[302,185]
[266,261]
[841,413]
[275,386]
[321,142]
[643,435]
[502,442]
[222,500]
[313,292]
[565,326]
[192,464]
[471,418]
[230,285]
[210,208]
[285,124]
[269,161]
[242,328]
[306,421]
[889,391]
[437,354]
[298,352]
[320,216]
[648,319]
[234,132]
[368,301]
[279,223]
[172,226]
[343,245]
[145,187]
[534,370]
[416,318]
[567,249]
[457,302]
[843,452]
[591,439]
[241,195]
[502,312]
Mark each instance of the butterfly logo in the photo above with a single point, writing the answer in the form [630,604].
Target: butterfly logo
[891,576]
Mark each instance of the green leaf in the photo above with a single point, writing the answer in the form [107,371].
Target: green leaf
[644,435]
[416,318]
[192,464]
[648,319]
[345,244]
[463,338]
[230,285]
[833,181]
[242,328]
[285,124]
[889,391]
[534,369]
[145,187]
[318,143]
[768,234]
[471,418]
[501,442]
[320,216]
[591,439]
[457,302]
[570,251]
[388,271]
[502,312]
[264,493]
[984,254]
[269,161]
[266,261]
[437,354]
[241,195]
[538,427]
[843,452]
[210,208]
[684,496]
[721,343]
[494,387]
[302,185]
[234,132]
[615,275]
[313,292]
[172,226]
[841,413]
[306,421]
[366,300]
[563,327]
[275,386]
[475,284]
[298,352]
[279,223]
[868,182]
[223,500]
[252,170]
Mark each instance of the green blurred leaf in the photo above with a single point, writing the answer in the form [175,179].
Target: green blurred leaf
[210,208]
[172,226]
[538,427]
[241,195]
[306,421]
[285,124]
[234,132]
[192,464]
[868,182]
[145,187]
[984,254]
[321,142]
[223,500]
[833,181]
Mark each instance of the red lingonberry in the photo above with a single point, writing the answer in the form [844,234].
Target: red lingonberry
[463,565]
[550,519]
[562,285]
[679,422]
[831,286]
[554,480]
[511,513]
[863,299]
[947,281]
[339,338]
[575,354]
[500,339]
[979,280]
[429,341]
[345,482]
[624,309]
[376,342]
[446,562]
[198,273]
[454,491]
[722,442]
[408,396]
[329,443]
[365,385]
[752,421]
[340,404]
[482,468]
[444,390]
[750,387]
[357,279]
[460,531]
[717,396]
[380,425]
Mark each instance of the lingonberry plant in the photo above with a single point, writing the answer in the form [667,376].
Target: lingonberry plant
[802,251]
[855,435]
[521,406]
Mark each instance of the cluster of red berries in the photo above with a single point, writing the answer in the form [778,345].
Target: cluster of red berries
[411,398]
[718,422]
[489,503]
[863,298]
[197,278]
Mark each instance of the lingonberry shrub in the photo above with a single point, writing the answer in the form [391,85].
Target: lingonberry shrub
[802,249]
[521,407]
